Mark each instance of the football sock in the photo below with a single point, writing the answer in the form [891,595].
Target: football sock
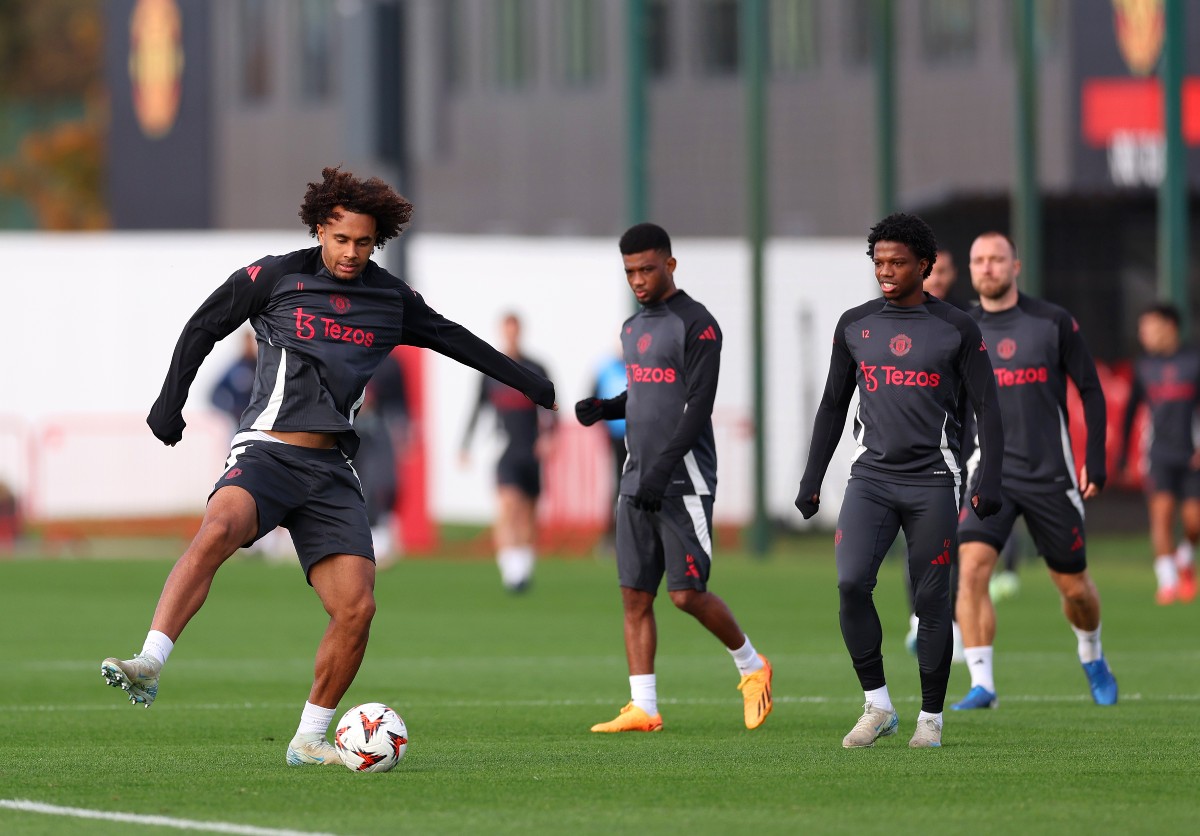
[979,663]
[746,658]
[1183,555]
[643,690]
[879,698]
[1089,644]
[937,718]
[1164,568]
[516,564]
[315,719]
[157,646]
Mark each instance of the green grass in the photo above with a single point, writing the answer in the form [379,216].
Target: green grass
[498,693]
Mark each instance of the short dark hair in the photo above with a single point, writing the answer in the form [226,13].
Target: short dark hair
[645,236]
[365,197]
[1164,309]
[909,230]
[995,233]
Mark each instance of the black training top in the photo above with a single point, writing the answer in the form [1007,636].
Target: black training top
[1169,387]
[518,417]
[672,353]
[319,341]
[1035,347]
[910,367]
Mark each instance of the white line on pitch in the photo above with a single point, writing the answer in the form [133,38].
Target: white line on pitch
[155,821]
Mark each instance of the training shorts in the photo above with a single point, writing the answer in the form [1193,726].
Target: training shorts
[1179,480]
[520,469]
[1054,520]
[677,541]
[315,494]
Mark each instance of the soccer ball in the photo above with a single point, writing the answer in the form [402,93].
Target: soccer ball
[371,738]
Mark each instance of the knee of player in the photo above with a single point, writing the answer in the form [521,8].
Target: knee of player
[857,587]
[355,611]
[687,600]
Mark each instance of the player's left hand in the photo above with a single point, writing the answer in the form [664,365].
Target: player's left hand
[647,499]
[1087,487]
[984,505]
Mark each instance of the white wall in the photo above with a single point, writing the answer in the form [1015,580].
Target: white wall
[92,331]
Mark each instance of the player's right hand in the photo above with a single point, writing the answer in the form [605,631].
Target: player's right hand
[807,502]
[589,411]
[984,505]
[169,432]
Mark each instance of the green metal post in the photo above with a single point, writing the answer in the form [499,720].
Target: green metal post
[1172,192]
[754,29]
[1026,216]
[637,205]
[883,40]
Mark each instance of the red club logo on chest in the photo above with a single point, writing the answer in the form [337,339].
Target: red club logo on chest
[900,344]
[340,303]
[643,343]
[1006,348]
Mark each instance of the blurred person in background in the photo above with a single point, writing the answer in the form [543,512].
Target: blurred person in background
[326,317]
[1035,347]
[910,357]
[672,348]
[232,393]
[528,435]
[1167,379]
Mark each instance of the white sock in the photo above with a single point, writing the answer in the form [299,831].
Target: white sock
[924,715]
[913,622]
[1183,555]
[516,564]
[1089,644]
[643,690]
[315,720]
[979,663]
[158,646]
[1164,569]
[746,658]
[879,698]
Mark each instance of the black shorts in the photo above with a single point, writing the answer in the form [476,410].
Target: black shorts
[1179,480]
[315,494]
[1054,520]
[520,469]
[676,541]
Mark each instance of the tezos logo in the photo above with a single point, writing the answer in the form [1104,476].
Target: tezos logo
[340,303]
[643,343]
[1006,348]
[900,345]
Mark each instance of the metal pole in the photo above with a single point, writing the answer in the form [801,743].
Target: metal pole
[637,204]
[1172,191]
[882,40]
[753,26]
[1026,221]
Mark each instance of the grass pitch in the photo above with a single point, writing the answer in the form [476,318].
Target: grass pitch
[499,692]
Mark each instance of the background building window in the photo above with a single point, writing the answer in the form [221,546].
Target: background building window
[514,31]
[581,41]
[793,34]
[659,56]
[719,36]
[254,57]
[858,32]
[948,29]
[316,34]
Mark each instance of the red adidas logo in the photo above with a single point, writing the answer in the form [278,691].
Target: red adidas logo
[692,571]
[253,271]
[708,333]
[942,559]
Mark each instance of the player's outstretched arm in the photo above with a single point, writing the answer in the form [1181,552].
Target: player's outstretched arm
[590,410]
[222,313]
[1081,368]
[426,328]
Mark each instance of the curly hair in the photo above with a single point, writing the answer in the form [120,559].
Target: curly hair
[365,197]
[909,230]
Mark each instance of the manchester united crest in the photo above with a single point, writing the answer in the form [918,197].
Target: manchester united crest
[1006,348]
[340,303]
[900,345]
[643,343]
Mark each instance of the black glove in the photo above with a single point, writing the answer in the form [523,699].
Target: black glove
[167,430]
[984,504]
[808,501]
[589,411]
[649,496]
